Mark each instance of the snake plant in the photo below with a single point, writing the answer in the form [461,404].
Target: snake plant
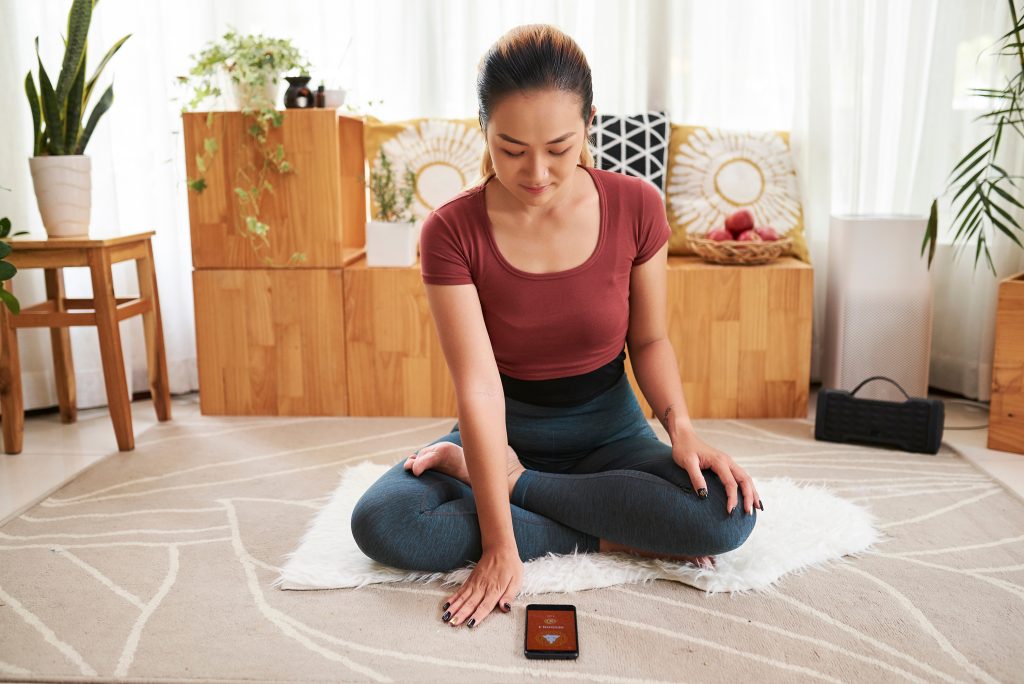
[58,113]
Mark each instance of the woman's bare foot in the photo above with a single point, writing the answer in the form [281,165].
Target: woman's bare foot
[700,561]
[450,459]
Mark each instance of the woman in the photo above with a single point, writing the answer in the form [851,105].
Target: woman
[537,277]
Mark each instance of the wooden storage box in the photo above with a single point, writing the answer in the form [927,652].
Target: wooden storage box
[319,209]
[1006,410]
[270,341]
[742,336]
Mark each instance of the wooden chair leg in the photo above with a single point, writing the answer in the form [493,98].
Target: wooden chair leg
[110,348]
[60,341]
[11,401]
[156,357]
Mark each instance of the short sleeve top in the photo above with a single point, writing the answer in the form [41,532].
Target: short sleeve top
[549,325]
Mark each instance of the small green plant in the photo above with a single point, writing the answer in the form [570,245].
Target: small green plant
[393,202]
[58,114]
[253,63]
[7,269]
[979,174]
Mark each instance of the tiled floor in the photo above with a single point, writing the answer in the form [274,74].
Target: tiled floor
[55,453]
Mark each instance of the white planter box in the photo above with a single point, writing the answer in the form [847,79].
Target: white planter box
[63,187]
[391,244]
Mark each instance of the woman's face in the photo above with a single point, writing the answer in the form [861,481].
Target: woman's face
[535,140]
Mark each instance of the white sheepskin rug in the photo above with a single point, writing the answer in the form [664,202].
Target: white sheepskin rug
[807,525]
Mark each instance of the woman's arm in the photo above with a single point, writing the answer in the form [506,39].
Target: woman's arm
[657,372]
[650,352]
[467,349]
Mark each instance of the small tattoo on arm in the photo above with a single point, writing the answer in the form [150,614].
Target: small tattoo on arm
[664,419]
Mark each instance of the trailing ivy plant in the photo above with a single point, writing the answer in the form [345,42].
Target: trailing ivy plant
[982,182]
[393,202]
[253,63]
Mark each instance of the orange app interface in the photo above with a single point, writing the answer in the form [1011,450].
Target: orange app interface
[551,630]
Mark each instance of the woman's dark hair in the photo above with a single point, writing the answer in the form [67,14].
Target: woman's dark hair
[528,58]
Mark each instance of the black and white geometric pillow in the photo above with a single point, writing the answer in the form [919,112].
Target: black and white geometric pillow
[635,145]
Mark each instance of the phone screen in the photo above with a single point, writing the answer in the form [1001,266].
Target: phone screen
[551,631]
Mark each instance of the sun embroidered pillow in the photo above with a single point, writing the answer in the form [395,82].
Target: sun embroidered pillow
[714,172]
[444,154]
[636,145]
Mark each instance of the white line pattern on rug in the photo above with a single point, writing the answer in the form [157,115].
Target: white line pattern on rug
[924,623]
[49,635]
[853,631]
[226,464]
[132,643]
[821,643]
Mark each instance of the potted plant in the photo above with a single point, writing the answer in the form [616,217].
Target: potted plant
[61,172]
[393,238]
[254,65]
[985,205]
[7,269]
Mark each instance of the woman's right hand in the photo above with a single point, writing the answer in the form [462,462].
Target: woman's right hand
[495,581]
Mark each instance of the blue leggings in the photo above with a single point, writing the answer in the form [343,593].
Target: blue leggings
[593,471]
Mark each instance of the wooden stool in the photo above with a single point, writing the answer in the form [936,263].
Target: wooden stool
[104,311]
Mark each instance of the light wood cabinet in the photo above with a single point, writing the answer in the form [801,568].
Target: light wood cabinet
[271,341]
[1006,409]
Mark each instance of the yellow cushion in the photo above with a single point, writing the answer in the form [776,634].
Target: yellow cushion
[714,172]
[443,153]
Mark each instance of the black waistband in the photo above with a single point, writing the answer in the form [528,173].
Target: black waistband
[569,391]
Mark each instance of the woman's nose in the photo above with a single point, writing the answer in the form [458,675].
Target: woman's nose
[538,170]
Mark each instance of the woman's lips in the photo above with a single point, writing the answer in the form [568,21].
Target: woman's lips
[535,191]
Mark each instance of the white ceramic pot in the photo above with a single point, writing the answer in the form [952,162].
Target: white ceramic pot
[391,244]
[63,187]
[334,98]
[244,95]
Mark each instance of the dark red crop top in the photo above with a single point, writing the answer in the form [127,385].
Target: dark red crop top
[549,325]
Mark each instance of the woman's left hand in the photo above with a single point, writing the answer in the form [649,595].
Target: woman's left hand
[692,454]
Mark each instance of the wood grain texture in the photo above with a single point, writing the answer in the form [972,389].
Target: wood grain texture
[270,342]
[1006,409]
[742,336]
[313,210]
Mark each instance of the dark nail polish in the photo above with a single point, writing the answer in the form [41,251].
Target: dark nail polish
[446,604]
[731,510]
[760,504]
[472,621]
[702,493]
[507,607]
[447,616]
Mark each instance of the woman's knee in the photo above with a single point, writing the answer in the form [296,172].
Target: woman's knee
[381,523]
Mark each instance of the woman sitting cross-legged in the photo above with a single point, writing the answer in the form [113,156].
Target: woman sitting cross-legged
[538,278]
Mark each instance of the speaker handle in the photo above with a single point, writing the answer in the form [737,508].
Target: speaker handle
[880,377]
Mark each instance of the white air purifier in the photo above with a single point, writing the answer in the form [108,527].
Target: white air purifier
[878,307]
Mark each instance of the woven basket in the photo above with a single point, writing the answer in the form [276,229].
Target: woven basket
[737,252]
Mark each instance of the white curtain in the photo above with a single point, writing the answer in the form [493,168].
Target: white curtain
[873,93]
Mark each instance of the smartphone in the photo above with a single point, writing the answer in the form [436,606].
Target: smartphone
[551,631]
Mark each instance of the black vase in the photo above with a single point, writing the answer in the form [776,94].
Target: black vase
[298,95]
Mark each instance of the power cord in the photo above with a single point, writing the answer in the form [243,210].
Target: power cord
[972,404]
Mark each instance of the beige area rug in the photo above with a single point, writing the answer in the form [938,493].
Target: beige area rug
[157,564]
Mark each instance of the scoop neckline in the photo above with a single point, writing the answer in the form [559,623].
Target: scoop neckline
[601,230]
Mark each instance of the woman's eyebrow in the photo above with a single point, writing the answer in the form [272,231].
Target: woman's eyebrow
[549,142]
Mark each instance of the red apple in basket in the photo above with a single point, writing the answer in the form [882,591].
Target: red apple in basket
[739,221]
[767,233]
[719,234]
[749,236]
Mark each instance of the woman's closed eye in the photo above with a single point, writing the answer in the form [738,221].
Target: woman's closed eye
[520,154]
